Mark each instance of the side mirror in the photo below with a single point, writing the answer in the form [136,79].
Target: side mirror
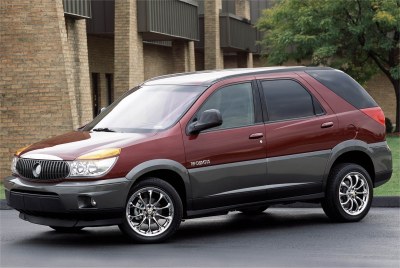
[208,119]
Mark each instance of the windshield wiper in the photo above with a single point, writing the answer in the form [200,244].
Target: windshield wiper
[103,129]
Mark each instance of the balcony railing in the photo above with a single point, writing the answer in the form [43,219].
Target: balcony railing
[236,34]
[168,19]
[77,8]
[158,20]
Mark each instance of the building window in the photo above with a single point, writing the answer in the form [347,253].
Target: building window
[95,94]
[110,88]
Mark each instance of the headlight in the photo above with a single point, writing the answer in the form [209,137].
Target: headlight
[14,165]
[91,168]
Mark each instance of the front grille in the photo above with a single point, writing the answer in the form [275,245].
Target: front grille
[49,170]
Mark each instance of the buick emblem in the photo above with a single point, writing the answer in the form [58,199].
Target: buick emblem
[37,168]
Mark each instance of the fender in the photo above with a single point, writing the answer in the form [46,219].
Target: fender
[344,147]
[158,164]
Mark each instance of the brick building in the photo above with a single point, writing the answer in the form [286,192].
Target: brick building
[62,60]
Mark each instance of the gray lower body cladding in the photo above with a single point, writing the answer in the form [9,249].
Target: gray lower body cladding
[210,189]
[68,204]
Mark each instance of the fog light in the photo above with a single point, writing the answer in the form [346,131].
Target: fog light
[85,201]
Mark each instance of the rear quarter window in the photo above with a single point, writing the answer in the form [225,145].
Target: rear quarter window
[345,87]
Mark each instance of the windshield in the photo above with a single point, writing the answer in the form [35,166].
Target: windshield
[149,108]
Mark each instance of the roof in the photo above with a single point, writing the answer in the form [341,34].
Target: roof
[207,78]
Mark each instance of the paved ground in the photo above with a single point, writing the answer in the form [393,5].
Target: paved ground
[279,238]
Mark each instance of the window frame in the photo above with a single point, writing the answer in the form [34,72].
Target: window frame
[265,106]
[257,107]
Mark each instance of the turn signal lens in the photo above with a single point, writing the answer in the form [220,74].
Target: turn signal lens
[375,113]
[101,154]
[20,150]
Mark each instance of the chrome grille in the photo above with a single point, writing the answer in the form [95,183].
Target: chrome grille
[50,170]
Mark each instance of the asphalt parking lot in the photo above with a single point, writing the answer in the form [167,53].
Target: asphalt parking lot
[281,237]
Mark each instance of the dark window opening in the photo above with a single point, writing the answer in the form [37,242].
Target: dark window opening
[110,89]
[95,94]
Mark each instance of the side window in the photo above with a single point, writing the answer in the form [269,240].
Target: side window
[287,99]
[235,103]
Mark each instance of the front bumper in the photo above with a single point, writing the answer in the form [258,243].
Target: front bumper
[68,204]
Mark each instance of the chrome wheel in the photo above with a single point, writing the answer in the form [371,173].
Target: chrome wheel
[354,193]
[149,211]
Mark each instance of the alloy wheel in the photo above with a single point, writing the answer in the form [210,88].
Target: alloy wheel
[353,193]
[149,211]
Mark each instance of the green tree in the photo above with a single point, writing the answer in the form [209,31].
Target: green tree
[359,37]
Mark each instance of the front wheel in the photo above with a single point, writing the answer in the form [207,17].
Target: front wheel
[349,193]
[153,211]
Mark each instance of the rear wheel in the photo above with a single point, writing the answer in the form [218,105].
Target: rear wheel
[254,210]
[349,193]
[153,211]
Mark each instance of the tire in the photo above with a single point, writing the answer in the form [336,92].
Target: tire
[139,211]
[66,229]
[253,211]
[348,193]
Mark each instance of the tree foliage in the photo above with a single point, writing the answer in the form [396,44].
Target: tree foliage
[359,37]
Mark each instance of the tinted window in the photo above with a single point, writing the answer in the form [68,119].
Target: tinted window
[344,86]
[235,103]
[287,99]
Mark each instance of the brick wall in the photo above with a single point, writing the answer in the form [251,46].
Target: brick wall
[213,55]
[79,70]
[128,58]
[39,96]
[158,60]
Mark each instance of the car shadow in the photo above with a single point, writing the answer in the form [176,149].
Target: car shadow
[231,225]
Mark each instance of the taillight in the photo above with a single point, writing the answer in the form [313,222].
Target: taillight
[375,113]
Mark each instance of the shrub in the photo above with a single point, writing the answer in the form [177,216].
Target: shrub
[389,125]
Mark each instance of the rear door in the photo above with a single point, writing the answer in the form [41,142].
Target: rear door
[301,130]
[227,163]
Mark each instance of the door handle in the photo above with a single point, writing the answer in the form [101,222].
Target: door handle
[327,124]
[256,136]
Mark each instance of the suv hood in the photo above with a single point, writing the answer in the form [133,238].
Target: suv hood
[74,144]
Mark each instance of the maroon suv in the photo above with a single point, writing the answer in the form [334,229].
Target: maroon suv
[206,143]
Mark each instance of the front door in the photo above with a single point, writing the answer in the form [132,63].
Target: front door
[227,163]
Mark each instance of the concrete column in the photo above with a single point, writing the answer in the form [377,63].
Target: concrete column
[78,53]
[242,8]
[128,51]
[213,55]
[192,57]
[183,56]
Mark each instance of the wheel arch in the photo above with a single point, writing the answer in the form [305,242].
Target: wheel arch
[168,170]
[353,151]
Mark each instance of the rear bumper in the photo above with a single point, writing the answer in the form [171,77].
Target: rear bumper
[68,204]
[382,159]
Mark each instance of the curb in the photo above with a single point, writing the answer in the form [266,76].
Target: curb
[377,202]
